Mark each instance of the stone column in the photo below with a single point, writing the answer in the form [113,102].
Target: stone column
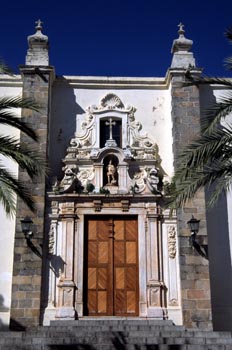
[27,267]
[194,271]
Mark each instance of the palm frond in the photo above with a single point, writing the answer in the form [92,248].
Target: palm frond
[196,180]
[18,102]
[214,114]
[228,34]
[7,118]
[4,68]
[204,149]
[228,63]
[9,186]
[26,157]
[204,80]
[189,179]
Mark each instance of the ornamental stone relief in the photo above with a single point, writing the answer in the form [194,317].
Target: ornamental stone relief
[172,241]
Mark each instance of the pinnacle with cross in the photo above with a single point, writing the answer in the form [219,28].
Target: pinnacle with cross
[38,24]
[181,28]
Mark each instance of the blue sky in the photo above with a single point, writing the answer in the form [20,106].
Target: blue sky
[118,38]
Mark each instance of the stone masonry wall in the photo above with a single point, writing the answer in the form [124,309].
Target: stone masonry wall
[194,270]
[27,269]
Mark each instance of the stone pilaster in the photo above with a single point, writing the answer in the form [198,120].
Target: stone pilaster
[155,281]
[27,268]
[194,271]
[66,285]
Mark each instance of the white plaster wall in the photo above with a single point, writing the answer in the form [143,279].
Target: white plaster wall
[7,225]
[153,111]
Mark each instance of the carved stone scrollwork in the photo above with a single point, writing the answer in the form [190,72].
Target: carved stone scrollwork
[141,141]
[138,183]
[172,241]
[85,137]
[85,176]
[111,101]
[69,181]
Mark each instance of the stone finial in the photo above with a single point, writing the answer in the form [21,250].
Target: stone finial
[182,58]
[37,53]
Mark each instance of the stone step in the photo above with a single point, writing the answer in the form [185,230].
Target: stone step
[120,334]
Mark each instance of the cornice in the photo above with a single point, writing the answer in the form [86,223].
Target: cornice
[11,80]
[97,82]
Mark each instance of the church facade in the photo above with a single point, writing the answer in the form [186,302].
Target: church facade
[102,243]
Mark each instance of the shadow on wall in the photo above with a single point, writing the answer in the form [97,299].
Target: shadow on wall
[14,325]
[3,309]
[219,245]
[64,110]
[220,265]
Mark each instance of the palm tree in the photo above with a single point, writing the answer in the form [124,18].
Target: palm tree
[26,157]
[208,159]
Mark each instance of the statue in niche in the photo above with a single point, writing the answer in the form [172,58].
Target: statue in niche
[111,174]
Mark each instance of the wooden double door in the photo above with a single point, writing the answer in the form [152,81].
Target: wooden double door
[111,266]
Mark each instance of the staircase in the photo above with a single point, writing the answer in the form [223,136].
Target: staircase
[119,334]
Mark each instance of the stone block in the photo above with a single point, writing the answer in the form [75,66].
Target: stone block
[25,287]
[17,313]
[25,303]
[203,304]
[32,312]
[197,294]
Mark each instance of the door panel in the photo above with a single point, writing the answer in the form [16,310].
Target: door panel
[111,266]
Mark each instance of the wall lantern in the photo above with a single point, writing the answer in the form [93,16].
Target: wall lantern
[27,225]
[201,249]
[193,225]
[27,229]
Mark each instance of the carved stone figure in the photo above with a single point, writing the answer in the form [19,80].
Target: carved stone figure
[111,172]
[154,180]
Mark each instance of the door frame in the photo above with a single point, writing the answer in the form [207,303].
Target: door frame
[140,213]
